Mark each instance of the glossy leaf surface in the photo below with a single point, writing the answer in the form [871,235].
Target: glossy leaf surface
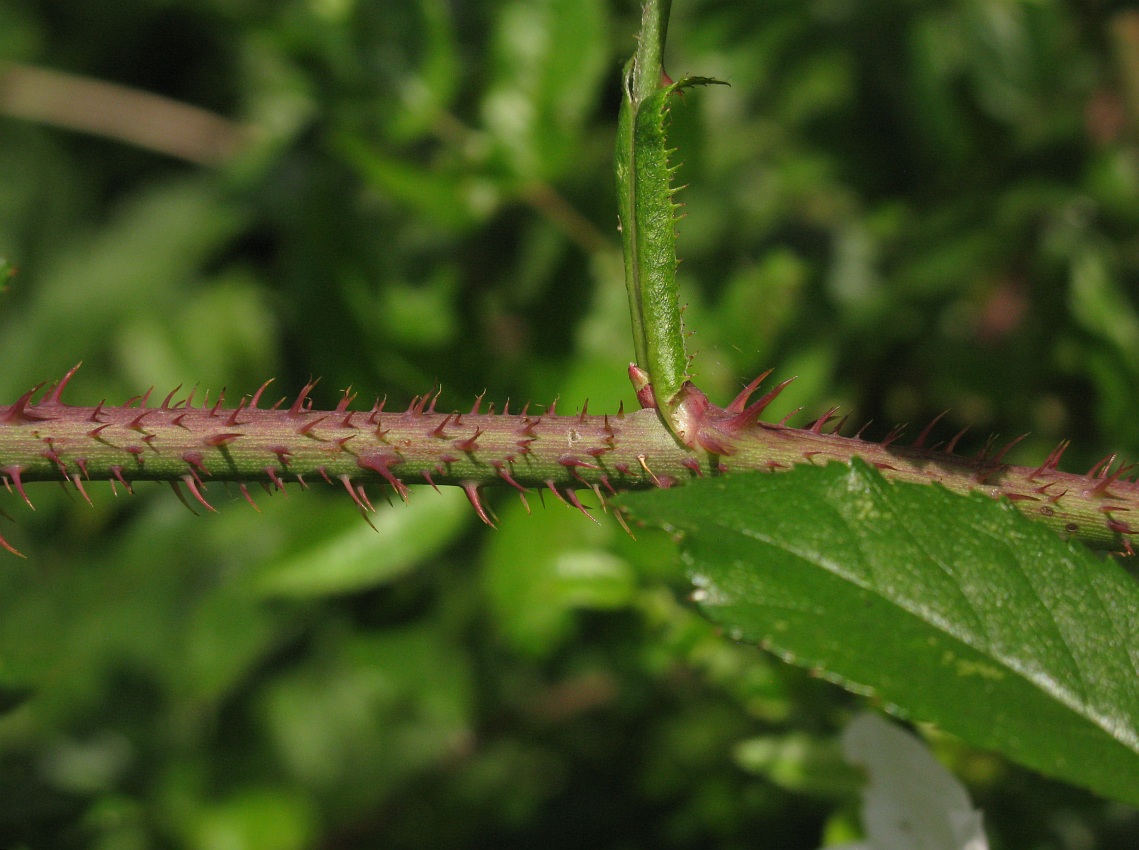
[951,610]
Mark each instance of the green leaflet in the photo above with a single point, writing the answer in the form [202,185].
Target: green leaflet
[648,219]
[954,610]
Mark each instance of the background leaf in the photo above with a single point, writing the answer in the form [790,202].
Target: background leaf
[953,610]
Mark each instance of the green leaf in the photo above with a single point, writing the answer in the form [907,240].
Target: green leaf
[955,610]
[357,556]
[549,57]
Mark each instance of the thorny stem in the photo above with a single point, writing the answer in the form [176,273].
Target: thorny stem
[192,445]
[680,435]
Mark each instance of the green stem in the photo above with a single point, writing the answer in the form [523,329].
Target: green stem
[648,64]
[648,220]
[647,212]
[195,446]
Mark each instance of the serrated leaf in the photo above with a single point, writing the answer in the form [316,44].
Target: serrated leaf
[955,610]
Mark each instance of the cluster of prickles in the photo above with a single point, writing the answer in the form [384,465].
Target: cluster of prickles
[192,445]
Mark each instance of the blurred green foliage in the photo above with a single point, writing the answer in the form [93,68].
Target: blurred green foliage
[913,206]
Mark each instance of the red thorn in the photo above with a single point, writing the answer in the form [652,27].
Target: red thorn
[571,462]
[302,403]
[245,492]
[553,489]
[739,403]
[1101,468]
[283,455]
[500,468]
[621,519]
[182,497]
[552,410]
[693,464]
[136,423]
[359,497]
[471,488]
[377,409]
[951,446]
[195,461]
[78,482]
[95,433]
[306,429]
[255,400]
[55,396]
[748,415]
[427,477]
[221,440]
[192,484]
[983,454]
[438,430]
[919,443]
[621,409]
[346,399]
[892,436]
[999,456]
[1107,480]
[572,496]
[469,444]
[382,464]
[1119,527]
[272,475]
[1108,509]
[94,417]
[19,412]
[816,427]
[217,404]
[584,411]
[10,548]
[642,386]
[478,403]
[232,419]
[117,471]
[712,442]
[169,398]
[1052,461]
